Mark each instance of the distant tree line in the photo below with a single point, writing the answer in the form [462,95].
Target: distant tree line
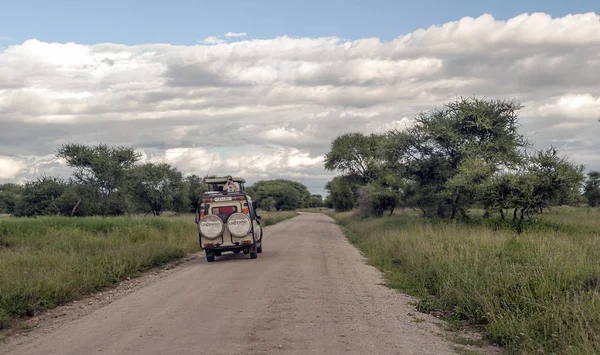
[110,181]
[467,154]
[283,195]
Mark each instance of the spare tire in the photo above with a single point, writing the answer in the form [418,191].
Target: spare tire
[211,226]
[239,225]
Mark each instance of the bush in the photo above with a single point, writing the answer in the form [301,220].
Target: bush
[374,200]
[4,319]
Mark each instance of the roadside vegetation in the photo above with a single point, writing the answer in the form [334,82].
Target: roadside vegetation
[538,291]
[61,239]
[113,217]
[459,211]
[110,181]
[50,260]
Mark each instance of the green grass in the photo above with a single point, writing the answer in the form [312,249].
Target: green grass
[538,292]
[48,261]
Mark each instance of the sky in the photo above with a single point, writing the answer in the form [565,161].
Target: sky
[260,88]
[185,22]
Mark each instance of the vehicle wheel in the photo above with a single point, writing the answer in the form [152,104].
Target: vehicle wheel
[259,249]
[210,257]
[253,255]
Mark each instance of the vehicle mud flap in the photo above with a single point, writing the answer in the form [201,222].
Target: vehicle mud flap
[254,249]
[259,248]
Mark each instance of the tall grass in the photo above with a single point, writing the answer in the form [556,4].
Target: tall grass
[52,260]
[538,292]
[48,261]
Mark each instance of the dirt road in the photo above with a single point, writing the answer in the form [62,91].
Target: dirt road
[309,292]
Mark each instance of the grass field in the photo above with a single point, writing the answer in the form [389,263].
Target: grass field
[538,292]
[52,260]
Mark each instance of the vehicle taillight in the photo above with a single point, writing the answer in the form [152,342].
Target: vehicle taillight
[245,211]
[201,213]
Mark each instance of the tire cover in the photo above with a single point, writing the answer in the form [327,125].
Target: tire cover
[211,226]
[239,224]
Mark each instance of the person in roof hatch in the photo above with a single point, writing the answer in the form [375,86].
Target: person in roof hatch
[230,185]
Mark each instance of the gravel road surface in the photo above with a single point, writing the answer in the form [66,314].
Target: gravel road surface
[309,292]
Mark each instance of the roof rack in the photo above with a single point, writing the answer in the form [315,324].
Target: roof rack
[222,180]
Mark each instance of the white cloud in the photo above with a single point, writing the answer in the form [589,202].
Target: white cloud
[270,107]
[234,34]
[10,167]
[584,107]
[212,40]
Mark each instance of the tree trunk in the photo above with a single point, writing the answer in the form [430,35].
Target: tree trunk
[151,204]
[56,208]
[441,213]
[455,206]
[75,207]
[520,223]
[515,214]
[502,214]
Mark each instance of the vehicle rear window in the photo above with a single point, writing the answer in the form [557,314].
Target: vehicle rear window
[224,212]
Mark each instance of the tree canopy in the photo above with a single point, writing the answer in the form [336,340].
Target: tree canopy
[592,188]
[468,153]
[159,186]
[102,169]
[109,180]
[280,194]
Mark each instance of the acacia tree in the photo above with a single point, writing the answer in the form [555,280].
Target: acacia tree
[356,154]
[102,169]
[543,180]
[433,152]
[592,188]
[280,194]
[467,153]
[556,179]
[41,197]
[157,185]
[195,188]
[342,193]
[10,194]
[316,201]
[72,199]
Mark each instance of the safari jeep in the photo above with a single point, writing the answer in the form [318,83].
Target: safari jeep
[227,221]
